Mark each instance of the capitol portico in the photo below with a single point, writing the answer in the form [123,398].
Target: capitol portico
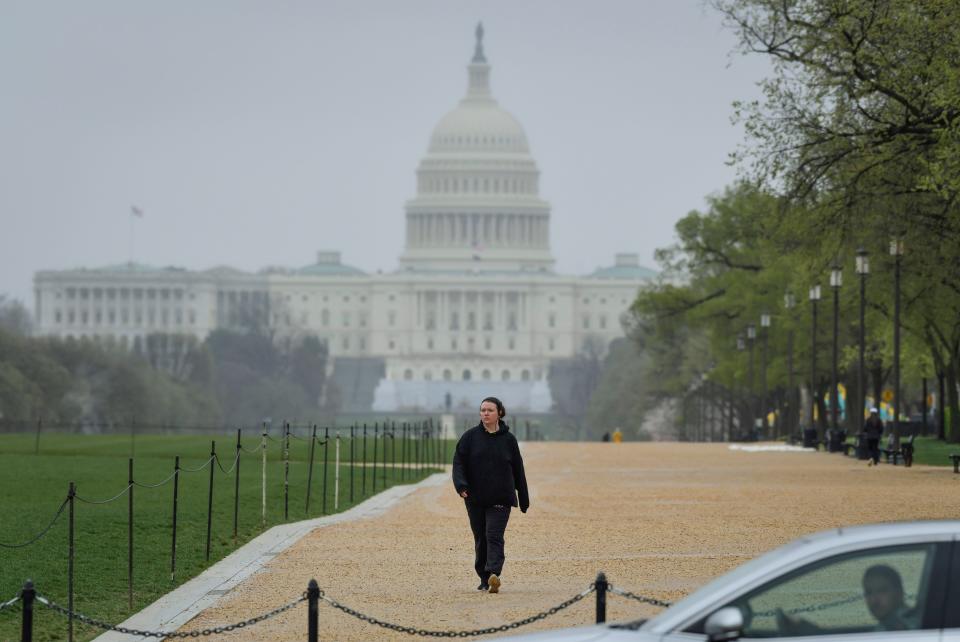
[474,309]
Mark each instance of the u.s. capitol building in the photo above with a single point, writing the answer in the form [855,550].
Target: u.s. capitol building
[475,307]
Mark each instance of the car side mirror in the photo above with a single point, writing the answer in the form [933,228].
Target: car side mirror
[724,625]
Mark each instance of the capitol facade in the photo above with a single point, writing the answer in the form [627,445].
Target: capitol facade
[475,307]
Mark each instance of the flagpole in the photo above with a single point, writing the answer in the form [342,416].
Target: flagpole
[130,245]
[135,212]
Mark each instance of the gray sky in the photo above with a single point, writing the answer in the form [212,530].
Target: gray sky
[256,133]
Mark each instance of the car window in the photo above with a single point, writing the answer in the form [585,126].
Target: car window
[876,590]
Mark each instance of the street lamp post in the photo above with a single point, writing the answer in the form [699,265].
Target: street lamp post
[896,249]
[764,329]
[814,298]
[836,280]
[789,302]
[751,340]
[741,346]
[863,269]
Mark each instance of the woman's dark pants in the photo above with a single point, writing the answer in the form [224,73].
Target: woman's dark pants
[488,524]
[873,447]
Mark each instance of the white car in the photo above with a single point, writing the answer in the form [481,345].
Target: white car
[897,582]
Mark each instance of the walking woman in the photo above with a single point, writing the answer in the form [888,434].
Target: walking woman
[488,474]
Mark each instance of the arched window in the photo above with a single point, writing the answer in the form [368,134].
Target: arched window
[447,375]
[428,375]
[486,375]
[525,375]
[505,375]
[408,374]
[466,375]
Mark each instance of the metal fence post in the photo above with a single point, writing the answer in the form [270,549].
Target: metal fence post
[263,479]
[286,473]
[313,611]
[236,489]
[376,429]
[71,494]
[385,453]
[313,443]
[130,535]
[363,470]
[601,586]
[213,455]
[326,457]
[173,544]
[27,596]
[416,447]
[403,451]
[353,462]
[336,475]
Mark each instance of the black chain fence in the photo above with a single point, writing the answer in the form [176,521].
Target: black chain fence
[411,630]
[313,596]
[100,624]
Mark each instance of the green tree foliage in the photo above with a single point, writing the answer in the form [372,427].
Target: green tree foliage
[861,123]
[620,399]
[854,142]
[255,378]
[69,381]
[14,317]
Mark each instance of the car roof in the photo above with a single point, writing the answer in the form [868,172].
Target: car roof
[806,546]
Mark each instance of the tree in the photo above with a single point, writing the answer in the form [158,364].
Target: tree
[620,399]
[14,317]
[573,382]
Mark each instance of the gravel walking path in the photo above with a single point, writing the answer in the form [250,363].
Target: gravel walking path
[660,519]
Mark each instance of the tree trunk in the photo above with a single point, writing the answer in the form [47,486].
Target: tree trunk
[954,397]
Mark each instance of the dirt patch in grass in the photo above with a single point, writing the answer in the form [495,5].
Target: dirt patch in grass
[660,519]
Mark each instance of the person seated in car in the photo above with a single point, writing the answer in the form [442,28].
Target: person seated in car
[883,595]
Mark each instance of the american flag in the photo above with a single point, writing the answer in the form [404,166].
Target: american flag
[136,211]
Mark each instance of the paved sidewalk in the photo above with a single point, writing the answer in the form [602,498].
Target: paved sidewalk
[178,607]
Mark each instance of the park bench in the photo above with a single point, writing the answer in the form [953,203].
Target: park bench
[890,451]
[955,458]
[905,450]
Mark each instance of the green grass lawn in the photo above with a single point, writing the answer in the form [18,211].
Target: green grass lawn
[35,485]
[930,451]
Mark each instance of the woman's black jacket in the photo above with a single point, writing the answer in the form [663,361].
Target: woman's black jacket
[489,467]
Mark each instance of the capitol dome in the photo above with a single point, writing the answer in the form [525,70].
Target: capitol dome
[478,126]
[477,205]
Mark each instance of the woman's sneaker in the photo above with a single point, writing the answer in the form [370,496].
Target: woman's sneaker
[494,583]
[483,587]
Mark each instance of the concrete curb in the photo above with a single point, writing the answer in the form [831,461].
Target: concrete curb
[179,606]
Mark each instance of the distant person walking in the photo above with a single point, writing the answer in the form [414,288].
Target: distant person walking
[873,430]
[488,474]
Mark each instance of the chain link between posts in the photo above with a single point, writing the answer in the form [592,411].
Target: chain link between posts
[410,630]
[9,603]
[638,598]
[100,624]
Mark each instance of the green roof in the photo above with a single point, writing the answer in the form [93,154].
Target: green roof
[626,272]
[137,267]
[331,269]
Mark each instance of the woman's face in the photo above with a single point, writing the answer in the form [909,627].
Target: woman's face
[488,413]
[882,596]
